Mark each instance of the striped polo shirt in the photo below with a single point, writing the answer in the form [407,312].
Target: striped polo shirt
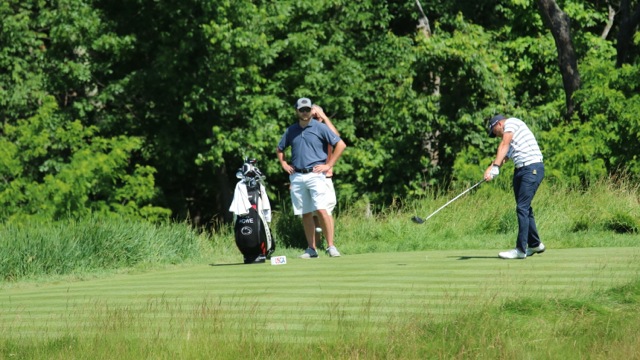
[524,149]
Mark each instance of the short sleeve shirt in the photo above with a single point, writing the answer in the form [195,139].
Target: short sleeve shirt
[524,147]
[308,144]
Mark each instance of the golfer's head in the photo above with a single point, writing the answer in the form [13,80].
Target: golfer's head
[303,109]
[495,127]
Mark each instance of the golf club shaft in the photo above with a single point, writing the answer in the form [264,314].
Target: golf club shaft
[454,199]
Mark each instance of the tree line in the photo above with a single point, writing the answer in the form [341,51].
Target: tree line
[146,108]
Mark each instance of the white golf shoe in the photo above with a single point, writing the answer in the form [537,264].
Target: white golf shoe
[512,254]
[536,250]
[310,253]
[333,252]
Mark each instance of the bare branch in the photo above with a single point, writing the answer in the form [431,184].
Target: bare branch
[612,15]
[424,21]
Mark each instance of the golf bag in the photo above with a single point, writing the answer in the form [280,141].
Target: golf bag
[252,215]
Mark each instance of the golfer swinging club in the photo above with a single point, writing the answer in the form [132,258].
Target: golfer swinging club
[309,140]
[519,145]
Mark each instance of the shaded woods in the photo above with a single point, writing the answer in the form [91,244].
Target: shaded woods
[146,109]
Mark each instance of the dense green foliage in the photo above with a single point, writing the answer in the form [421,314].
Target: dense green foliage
[56,169]
[145,109]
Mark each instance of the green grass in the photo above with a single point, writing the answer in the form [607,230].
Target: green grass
[605,215]
[565,303]
[113,289]
[36,250]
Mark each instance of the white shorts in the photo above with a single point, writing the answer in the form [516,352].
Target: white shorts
[332,196]
[311,192]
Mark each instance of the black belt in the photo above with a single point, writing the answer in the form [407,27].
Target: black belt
[303,171]
[527,163]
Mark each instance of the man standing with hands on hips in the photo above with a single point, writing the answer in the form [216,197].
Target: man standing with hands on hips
[309,140]
[520,145]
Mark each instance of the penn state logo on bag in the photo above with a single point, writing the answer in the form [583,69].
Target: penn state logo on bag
[246,230]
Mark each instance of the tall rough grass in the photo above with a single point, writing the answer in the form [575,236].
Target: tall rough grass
[605,214]
[36,249]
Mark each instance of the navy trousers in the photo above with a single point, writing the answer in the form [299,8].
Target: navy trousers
[526,181]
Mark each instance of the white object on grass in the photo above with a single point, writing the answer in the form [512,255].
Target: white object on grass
[278,260]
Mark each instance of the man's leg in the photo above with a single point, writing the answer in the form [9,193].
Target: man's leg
[523,203]
[326,222]
[323,199]
[525,184]
[309,229]
[534,238]
[332,201]
[301,200]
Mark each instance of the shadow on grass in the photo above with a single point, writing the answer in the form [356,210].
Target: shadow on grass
[475,257]
[233,264]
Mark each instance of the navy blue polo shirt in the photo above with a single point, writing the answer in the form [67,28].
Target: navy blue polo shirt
[309,144]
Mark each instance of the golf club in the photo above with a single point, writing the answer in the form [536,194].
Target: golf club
[419,220]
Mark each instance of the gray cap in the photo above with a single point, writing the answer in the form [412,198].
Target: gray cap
[494,120]
[303,102]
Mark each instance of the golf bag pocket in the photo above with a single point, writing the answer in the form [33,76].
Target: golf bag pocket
[248,229]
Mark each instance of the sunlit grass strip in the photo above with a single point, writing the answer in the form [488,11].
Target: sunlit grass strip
[306,300]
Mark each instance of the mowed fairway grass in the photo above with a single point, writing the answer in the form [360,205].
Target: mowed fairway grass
[382,305]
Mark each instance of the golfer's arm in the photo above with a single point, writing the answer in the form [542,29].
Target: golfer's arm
[503,149]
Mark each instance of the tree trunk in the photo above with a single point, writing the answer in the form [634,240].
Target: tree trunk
[558,22]
[429,140]
[628,24]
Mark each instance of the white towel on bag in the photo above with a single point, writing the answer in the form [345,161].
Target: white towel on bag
[241,204]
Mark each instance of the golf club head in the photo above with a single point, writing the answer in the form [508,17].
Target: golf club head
[417,220]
